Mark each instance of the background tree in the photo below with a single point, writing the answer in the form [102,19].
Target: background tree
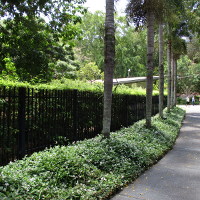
[193,49]
[130,49]
[130,45]
[31,42]
[193,14]
[90,47]
[188,73]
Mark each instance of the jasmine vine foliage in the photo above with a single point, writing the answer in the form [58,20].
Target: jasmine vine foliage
[91,169]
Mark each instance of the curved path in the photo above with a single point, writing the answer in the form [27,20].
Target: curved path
[177,175]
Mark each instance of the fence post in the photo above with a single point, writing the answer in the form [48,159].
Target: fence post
[21,122]
[75,108]
[127,111]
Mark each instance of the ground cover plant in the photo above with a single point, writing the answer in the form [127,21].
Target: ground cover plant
[91,169]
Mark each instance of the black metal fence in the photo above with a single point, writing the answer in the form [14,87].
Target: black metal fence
[31,120]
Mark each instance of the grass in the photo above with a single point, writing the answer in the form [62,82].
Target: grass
[91,169]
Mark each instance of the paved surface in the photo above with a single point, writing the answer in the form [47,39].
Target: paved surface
[177,175]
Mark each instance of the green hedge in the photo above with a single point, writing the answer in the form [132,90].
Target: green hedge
[77,84]
[91,169]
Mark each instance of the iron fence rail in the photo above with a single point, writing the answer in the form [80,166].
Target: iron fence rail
[32,120]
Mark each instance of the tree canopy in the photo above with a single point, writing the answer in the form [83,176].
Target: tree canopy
[41,40]
[37,36]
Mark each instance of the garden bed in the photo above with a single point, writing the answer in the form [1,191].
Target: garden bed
[91,169]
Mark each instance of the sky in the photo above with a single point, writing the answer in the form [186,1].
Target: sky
[94,5]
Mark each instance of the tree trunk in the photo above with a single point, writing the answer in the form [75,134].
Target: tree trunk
[172,80]
[109,61]
[161,71]
[150,67]
[169,76]
[175,82]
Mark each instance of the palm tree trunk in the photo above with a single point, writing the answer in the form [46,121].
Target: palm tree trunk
[161,71]
[169,76]
[175,82]
[150,67]
[172,79]
[109,66]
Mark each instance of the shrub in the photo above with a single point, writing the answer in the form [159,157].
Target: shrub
[89,72]
[91,169]
[64,84]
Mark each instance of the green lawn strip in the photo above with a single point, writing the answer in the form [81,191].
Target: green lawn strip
[91,169]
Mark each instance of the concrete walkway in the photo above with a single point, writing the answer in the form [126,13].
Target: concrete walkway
[177,175]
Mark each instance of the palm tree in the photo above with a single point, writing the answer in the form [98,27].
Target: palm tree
[169,75]
[175,81]
[144,12]
[172,80]
[166,16]
[161,71]
[150,66]
[109,61]
[175,24]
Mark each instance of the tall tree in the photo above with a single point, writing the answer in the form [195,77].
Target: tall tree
[161,70]
[161,20]
[150,66]
[175,82]
[169,75]
[164,17]
[176,27]
[172,79]
[145,12]
[109,66]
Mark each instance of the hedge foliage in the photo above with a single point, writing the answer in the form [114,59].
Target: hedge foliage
[91,169]
[76,84]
